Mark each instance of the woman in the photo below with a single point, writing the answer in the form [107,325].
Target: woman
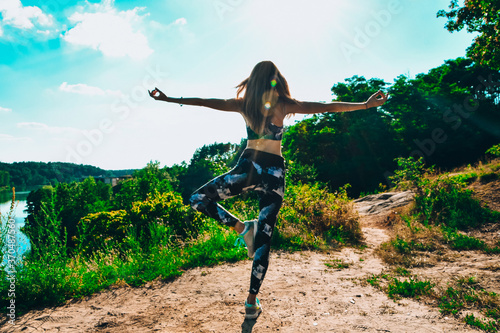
[265,103]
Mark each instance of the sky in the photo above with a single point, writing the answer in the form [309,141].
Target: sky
[74,75]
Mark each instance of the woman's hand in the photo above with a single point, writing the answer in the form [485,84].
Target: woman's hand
[373,101]
[157,94]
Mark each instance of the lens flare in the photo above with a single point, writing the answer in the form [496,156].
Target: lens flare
[267,105]
[273,83]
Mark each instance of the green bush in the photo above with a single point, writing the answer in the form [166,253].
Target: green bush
[166,209]
[312,217]
[443,200]
[465,177]
[96,231]
[460,241]
[495,150]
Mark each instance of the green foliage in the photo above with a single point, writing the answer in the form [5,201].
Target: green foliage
[461,242]
[49,275]
[443,200]
[29,175]
[207,162]
[99,230]
[467,293]
[479,16]
[466,178]
[66,203]
[485,325]
[402,271]
[351,147]
[166,209]
[495,150]
[311,217]
[4,179]
[297,173]
[337,263]
[150,180]
[428,118]
[411,174]
[405,247]
[409,288]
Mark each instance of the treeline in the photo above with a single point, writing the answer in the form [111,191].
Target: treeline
[27,175]
[449,116]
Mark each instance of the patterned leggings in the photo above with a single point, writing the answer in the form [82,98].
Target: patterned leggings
[256,171]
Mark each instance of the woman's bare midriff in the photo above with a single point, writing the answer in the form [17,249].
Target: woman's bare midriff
[268,146]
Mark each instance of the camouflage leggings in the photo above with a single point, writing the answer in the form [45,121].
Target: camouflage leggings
[256,171]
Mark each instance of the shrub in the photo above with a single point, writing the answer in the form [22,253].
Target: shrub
[443,200]
[311,216]
[495,150]
[169,210]
[96,231]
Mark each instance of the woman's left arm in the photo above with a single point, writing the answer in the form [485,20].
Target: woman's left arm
[214,103]
[315,107]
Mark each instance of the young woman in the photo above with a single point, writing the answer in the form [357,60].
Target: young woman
[265,103]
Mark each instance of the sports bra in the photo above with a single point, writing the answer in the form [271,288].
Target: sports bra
[274,133]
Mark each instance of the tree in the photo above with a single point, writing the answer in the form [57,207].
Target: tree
[482,16]
[449,116]
[4,179]
[351,147]
[207,162]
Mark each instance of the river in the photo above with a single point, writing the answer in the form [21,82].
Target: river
[22,241]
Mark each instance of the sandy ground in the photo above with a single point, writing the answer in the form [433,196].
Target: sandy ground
[300,294]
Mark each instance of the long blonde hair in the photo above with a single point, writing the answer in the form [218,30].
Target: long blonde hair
[264,88]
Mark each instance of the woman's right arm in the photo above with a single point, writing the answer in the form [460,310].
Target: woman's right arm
[214,103]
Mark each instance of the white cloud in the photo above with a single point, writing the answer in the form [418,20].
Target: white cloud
[5,109]
[112,32]
[8,137]
[23,17]
[48,129]
[83,89]
[180,21]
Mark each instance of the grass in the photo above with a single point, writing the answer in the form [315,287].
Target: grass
[337,263]
[411,288]
[462,294]
[434,229]
[52,272]
[55,277]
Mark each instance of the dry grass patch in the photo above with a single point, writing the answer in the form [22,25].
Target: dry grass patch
[412,244]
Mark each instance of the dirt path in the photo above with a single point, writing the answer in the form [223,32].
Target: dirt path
[300,294]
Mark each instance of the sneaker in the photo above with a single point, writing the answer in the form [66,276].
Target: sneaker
[252,311]
[249,236]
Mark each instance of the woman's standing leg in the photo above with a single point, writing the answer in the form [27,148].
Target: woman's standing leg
[270,203]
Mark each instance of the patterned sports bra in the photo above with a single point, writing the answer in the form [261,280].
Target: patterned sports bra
[273,133]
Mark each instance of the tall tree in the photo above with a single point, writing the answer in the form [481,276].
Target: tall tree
[482,16]
[351,147]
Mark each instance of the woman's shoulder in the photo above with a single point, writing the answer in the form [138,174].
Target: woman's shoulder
[288,106]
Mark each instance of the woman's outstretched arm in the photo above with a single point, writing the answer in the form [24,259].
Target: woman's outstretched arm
[214,103]
[315,107]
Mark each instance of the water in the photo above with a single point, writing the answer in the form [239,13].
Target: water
[22,241]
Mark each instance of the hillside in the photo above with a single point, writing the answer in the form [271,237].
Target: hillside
[28,175]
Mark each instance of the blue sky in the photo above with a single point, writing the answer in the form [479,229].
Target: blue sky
[74,74]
